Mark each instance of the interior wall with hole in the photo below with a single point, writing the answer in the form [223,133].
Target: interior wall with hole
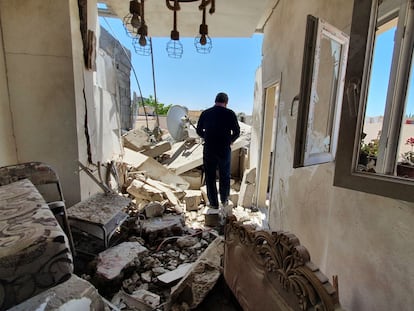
[367,240]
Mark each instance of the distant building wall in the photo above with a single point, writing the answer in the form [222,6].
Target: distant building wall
[121,57]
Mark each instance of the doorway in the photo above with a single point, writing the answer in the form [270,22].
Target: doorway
[268,146]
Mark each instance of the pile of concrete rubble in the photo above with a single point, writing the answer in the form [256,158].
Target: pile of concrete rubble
[168,252]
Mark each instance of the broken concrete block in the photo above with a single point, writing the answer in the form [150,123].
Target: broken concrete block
[192,156]
[157,149]
[194,178]
[113,260]
[150,299]
[140,300]
[144,191]
[246,195]
[249,176]
[186,241]
[153,169]
[147,276]
[172,276]
[170,192]
[211,217]
[202,277]
[154,209]
[168,225]
[247,188]
[136,140]
[192,200]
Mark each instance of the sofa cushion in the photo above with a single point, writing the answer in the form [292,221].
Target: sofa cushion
[34,251]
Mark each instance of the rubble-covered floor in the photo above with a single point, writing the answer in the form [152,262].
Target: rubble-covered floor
[171,242]
[155,244]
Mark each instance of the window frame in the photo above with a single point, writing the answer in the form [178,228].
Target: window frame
[316,30]
[353,112]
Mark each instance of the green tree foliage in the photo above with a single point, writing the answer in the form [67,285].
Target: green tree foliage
[160,109]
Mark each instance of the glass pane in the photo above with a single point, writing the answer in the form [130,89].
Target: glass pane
[324,98]
[377,96]
[405,161]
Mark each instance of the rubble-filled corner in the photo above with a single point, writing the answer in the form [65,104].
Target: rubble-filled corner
[152,243]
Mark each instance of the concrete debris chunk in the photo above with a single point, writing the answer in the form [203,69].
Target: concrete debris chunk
[154,209]
[247,188]
[177,274]
[153,169]
[169,192]
[194,178]
[191,157]
[211,216]
[186,241]
[249,176]
[168,225]
[136,140]
[112,261]
[157,149]
[192,200]
[150,299]
[140,300]
[147,276]
[141,190]
[202,277]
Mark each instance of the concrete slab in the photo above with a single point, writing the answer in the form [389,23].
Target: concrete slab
[136,140]
[112,261]
[192,157]
[153,169]
[157,149]
[198,282]
[177,274]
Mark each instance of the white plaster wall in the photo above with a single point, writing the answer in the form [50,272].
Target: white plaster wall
[8,144]
[96,100]
[366,240]
[38,58]
[256,120]
[106,131]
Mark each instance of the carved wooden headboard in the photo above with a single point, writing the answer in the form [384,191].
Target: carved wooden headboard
[272,271]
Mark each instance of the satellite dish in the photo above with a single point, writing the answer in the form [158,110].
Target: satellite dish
[177,122]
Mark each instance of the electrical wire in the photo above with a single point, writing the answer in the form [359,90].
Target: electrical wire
[153,81]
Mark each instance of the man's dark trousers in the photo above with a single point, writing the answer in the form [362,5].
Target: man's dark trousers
[212,161]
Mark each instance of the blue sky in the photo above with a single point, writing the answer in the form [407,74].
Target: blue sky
[195,79]
[380,76]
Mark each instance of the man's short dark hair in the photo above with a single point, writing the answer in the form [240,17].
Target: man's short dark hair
[222,98]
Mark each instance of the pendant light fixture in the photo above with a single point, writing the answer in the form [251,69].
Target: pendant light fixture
[137,29]
[174,46]
[141,42]
[132,20]
[202,42]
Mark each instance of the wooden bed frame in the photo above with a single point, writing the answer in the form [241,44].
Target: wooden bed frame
[272,271]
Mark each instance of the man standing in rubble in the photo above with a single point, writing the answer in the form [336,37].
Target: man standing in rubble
[219,128]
